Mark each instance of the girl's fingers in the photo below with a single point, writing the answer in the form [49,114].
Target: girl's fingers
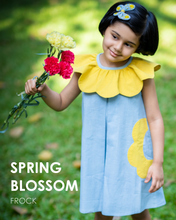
[158,185]
[27,90]
[152,186]
[30,87]
[33,85]
[155,186]
[41,87]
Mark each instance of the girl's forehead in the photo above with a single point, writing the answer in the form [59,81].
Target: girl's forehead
[120,25]
[123,30]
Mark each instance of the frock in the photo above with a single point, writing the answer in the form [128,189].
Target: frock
[116,149]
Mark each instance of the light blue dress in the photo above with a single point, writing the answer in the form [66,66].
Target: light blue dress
[110,183]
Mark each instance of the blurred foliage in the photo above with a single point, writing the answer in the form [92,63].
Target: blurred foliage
[23,27]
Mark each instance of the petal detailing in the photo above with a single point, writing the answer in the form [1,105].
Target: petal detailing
[127,81]
[136,155]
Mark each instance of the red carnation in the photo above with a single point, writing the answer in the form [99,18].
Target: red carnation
[68,56]
[52,66]
[65,69]
[51,60]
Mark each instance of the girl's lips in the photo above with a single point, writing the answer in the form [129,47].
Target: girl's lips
[113,54]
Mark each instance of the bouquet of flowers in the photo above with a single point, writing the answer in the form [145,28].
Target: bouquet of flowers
[53,65]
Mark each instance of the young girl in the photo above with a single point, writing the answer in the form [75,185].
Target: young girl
[123,131]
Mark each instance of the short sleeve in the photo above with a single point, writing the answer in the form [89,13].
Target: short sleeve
[83,62]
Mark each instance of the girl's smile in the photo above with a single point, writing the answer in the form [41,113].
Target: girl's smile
[119,43]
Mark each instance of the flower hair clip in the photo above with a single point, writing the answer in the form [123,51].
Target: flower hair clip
[121,9]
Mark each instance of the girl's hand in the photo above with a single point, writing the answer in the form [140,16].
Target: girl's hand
[156,173]
[30,87]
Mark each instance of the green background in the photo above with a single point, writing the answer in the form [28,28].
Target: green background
[23,27]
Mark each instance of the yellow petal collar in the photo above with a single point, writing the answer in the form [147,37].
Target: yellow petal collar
[109,82]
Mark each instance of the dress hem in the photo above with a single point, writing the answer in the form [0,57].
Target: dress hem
[120,214]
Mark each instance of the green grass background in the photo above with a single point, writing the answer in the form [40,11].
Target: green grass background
[23,27]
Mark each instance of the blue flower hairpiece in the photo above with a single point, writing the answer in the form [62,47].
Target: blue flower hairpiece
[121,9]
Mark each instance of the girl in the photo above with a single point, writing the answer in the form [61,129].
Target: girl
[123,131]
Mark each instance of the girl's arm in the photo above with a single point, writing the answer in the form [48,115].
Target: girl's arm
[53,99]
[156,125]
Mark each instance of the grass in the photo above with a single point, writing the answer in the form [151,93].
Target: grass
[23,27]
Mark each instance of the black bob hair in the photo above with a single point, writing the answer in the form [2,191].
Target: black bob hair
[142,22]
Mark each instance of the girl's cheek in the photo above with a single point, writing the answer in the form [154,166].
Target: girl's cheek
[107,41]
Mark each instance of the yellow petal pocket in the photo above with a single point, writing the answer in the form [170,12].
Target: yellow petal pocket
[136,155]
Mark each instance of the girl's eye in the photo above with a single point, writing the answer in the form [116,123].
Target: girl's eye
[115,37]
[128,45]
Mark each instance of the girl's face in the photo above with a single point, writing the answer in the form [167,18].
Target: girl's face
[119,43]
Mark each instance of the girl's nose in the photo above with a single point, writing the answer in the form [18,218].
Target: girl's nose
[118,46]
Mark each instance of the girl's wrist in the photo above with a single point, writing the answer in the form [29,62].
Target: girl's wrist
[158,162]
